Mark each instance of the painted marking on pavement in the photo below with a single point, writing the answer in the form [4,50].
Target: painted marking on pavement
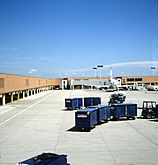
[26,109]
[7,110]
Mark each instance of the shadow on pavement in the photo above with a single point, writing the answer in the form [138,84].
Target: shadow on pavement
[67,110]
[154,120]
[74,129]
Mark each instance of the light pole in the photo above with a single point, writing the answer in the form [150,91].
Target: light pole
[100,66]
[111,74]
[95,71]
[153,70]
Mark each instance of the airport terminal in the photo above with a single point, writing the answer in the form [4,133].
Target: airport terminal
[15,87]
[47,119]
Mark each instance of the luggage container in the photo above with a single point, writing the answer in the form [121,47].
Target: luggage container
[86,119]
[131,111]
[103,113]
[90,101]
[123,110]
[73,103]
[46,159]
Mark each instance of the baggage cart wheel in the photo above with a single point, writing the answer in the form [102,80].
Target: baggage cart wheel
[149,116]
[133,118]
[87,129]
[116,119]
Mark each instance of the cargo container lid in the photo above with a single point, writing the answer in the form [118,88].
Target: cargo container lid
[87,110]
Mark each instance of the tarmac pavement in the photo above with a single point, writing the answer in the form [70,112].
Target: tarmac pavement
[40,123]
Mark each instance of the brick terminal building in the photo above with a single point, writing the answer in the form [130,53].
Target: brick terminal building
[14,87]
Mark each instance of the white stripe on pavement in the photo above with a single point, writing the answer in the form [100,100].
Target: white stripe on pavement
[7,110]
[26,109]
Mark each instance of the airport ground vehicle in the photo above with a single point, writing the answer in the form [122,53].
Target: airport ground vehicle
[112,88]
[103,113]
[152,87]
[86,119]
[150,109]
[117,98]
[123,110]
[73,103]
[46,159]
[91,101]
[91,116]
[77,103]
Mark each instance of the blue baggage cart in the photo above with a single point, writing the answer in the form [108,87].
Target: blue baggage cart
[46,159]
[90,101]
[103,112]
[123,110]
[131,110]
[73,103]
[86,119]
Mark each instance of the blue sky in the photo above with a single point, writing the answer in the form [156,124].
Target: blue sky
[67,38]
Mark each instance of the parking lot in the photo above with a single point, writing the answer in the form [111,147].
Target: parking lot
[40,123]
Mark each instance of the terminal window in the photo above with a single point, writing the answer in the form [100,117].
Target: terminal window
[138,79]
[134,79]
[130,79]
[1,82]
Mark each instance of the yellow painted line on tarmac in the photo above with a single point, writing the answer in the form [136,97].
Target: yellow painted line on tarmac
[26,109]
